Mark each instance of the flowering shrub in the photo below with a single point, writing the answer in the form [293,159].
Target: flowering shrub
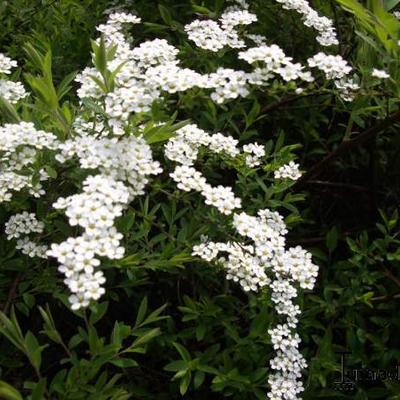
[148,162]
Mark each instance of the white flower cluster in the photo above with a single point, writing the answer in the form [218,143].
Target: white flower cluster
[152,68]
[115,23]
[348,88]
[290,171]
[9,90]
[12,91]
[19,145]
[337,69]
[233,18]
[213,36]
[228,84]
[240,264]
[184,148]
[259,40]
[323,25]
[334,67]
[19,226]
[6,64]
[288,358]
[22,224]
[124,164]
[95,210]
[220,197]
[380,73]
[254,153]
[268,264]
[126,159]
[275,62]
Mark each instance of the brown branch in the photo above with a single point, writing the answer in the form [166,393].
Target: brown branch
[385,298]
[11,293]
[321,239]
[346,186]
[346,146]
[390,275]
[287,100]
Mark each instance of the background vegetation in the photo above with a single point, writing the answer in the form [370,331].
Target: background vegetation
[171,327]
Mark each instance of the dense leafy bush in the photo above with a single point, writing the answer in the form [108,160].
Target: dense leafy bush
[153,207]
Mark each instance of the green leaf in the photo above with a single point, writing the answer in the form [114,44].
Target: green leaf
[390,4]
[253,114]
[141,312]
[7,392]
[9,111]
[155,134]
[64,87]
[46,67]
[280,141]
[177,365]
[185,382]
[124,363]
[260,324]
[199,377]
[39,390]
[95,343]
[93,106]
[33,350]
[165,15]
[100,55]
[44,89]
[49,326]
[332,239]
[143,339]
[11,330]
[99,82]
[51,171]
[98,311]
[182,351]
[34,56]
[154,316]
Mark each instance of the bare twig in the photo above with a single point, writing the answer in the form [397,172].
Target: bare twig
[346,186]
[11,293]
[390,275]
[346,146]
[385,298]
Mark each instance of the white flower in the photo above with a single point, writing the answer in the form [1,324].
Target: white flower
[12,91]
[380,73]
[324,26]
[290,171]
[334,67]
[6,64]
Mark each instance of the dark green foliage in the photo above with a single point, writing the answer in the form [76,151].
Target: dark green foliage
[171,327]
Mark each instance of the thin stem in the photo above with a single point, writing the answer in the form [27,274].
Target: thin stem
[346,146]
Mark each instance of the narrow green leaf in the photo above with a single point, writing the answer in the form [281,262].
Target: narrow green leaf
[185,382]
[124,363]
[39,390]
[97,312]
[182,351]
[143,339]
[165,14]
[141,312]
[7,392]
[33,349]
[9,111]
